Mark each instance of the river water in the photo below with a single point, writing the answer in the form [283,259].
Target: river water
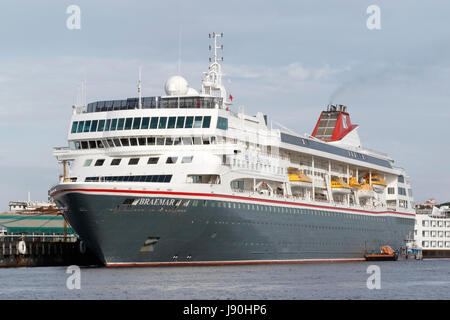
[403,279]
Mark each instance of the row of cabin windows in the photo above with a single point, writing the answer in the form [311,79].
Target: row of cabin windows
[141,123]
[149,141]
[427,223]
[135,161]
[436,244]
[147,178]
[435,234]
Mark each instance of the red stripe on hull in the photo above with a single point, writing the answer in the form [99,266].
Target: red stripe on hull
[227,197]
[223,263]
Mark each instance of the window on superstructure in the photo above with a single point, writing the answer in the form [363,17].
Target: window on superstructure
[180,122]
[171,123]
[187,159]
[153,160]
[128,123]
[133,142]
[84,145]
[187,140]
[100,144]
[101,125]
[145,122]
[176,141]
[120,123]
[117,143]
[391,190]
[87,126]
[206,122]
[74,127]
[160,141]
[133,161]
[169,141]
[94,125]
[87,163]
[99,162]
[198,122]
[115,162]
[172,160]
[154,123]
[151,141]
[401,179]
[197,140]
[189,122]
[80,126]
[125,142]
[142,141]
[205,140]
[136,123]
[113,125]
[162,123]
[92,145]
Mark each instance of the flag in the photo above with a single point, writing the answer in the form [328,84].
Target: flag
[230,97]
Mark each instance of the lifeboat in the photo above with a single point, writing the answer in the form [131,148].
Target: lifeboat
[354,184]
[339,186]
[298,178]
[366,192]
[377,183]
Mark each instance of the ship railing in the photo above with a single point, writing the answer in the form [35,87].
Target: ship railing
[36,237]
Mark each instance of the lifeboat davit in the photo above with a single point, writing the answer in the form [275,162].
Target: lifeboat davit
[366,192]
[339,186]
[377,183]
[299,179]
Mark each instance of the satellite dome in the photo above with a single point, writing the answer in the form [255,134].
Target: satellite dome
[192,92]
[176,86]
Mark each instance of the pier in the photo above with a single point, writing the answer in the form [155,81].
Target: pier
[40,250]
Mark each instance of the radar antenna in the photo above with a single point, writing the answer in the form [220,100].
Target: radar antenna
[212,83]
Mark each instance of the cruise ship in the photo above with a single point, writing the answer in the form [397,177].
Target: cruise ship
[184,179]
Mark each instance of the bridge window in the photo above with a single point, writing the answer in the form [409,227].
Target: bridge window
[136,123]
[87,163]
[128,123]
[80,126]
[74,127]
[151,141]
[162,123]
[113,124]
[180,122]
[206,122]
[120,123]
[189,122]
[198,122]
[171,123]
[145,122]
[125,142]
[94,125]
[172,160]
[101,125]
[187,159]
[141,141]
[87,126]
[154,123]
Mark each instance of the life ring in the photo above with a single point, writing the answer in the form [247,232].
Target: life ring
[22,247]
[82,247]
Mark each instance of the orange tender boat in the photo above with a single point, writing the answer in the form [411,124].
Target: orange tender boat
[387,254]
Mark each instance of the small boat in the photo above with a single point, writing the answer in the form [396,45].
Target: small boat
[377,183]
[354,184]
[366,192]
[299,179]
[386,254]
[339,186]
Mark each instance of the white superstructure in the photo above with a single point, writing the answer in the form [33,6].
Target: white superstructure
[191,140]
[432,232]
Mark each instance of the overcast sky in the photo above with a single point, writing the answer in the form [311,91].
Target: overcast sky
[287,59]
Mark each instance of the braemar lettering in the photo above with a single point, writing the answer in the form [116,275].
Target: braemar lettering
[154,202]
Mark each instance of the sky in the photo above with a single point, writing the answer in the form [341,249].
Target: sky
[287,59]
